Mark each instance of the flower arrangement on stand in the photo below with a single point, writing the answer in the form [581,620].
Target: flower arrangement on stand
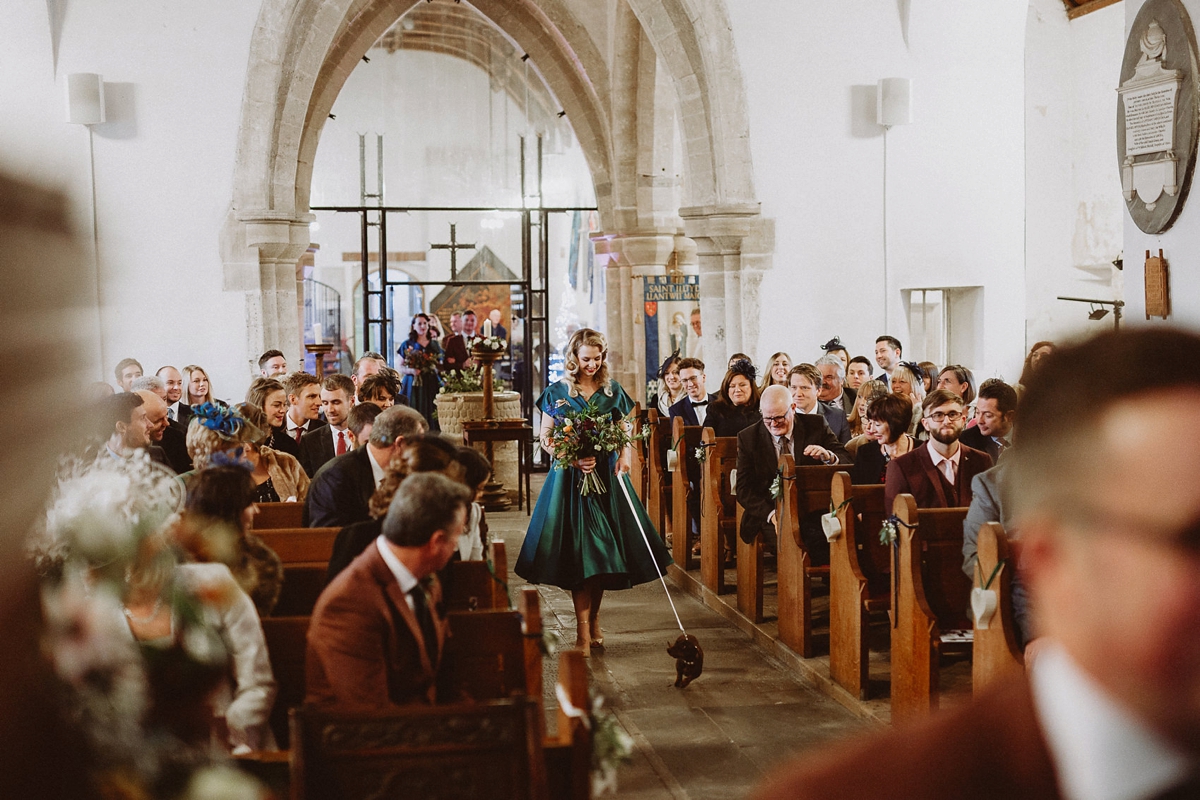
[467,380]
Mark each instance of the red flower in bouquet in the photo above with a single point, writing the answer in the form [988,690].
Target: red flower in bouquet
[589,433]
[423,361]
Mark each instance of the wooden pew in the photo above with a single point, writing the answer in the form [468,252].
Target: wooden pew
[302,585]
[804,490]
[300,545]
[932,596]
[719,511]
[481,750]
[658,479]
[287,644]
[478,585]
[685,439]
[860,569]
[637,465]
[995,651]
[278,515]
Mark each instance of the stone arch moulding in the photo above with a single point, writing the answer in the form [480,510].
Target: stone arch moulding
[302,52]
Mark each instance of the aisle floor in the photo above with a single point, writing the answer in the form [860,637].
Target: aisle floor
[718,737]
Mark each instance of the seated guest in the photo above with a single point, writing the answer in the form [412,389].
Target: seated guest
[670,389]
[907,380]
[360,420]
[958,379]
[780,431]
[929,370]
[736,406]
[365,367]
[857,419]
[177,409]
[423,453]
[272,364]
[694,407]
[341,491]
[218,512]
[888,352]
[127,371]
[777,371]
[304,406]
[832,389]
[197,389]
[858,372]
[270,397]
[475,473]
[1033,360]
[238,434]
[996,410]
[168,445]
[835,348]
[379,389]
[804,381]
[887,430]
[938,473]
[126,425]
[367,648]
[334,439]
[736,357]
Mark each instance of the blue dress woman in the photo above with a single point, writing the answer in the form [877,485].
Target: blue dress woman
[587,544]
[421,385]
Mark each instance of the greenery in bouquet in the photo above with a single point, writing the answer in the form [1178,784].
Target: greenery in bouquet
[468,380]
[423,360]
[589,433]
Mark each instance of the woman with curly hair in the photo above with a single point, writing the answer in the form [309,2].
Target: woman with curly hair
[908,381]
[736,406]
[670,388]
[421,380]
[588,543]
[217,434]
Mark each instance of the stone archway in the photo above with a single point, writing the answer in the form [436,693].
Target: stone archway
[303,51]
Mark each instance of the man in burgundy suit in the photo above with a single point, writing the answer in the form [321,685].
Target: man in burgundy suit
[938,473]
[458,345]
[1106,494]
[376,636]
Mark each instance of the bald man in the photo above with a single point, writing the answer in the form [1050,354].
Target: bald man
[167,445]
[177,409]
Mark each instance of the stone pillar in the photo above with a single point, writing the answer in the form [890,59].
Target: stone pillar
[733,245]
[627,259]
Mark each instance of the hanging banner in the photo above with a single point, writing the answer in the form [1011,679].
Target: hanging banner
[669,301]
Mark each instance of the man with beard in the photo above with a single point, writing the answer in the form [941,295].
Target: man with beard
[937,474]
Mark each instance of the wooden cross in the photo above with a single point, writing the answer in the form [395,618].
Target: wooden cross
[453,246]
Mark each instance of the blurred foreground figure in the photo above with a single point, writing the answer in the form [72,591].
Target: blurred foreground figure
[1106,494]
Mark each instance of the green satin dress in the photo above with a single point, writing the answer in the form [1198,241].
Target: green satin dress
[572,538]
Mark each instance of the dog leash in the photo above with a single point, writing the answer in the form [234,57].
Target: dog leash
[625,490]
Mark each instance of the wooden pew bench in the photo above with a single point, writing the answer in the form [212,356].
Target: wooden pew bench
[278,515]
[803,491]
[719,512]
[684,440]
[995,651]
[658,479]
[300,545]
[860,570]
[932,596]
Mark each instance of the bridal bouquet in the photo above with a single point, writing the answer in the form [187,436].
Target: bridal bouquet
[589,433]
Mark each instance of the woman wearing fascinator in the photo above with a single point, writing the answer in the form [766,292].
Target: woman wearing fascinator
[670,388]
[835,348]
[908,381]
[243,433]
[736,406]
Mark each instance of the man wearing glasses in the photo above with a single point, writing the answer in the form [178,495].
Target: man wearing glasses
[805,437]
[694,407]
[938,473]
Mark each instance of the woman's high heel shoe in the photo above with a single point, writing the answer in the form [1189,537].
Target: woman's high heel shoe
[583,639]
[596,635]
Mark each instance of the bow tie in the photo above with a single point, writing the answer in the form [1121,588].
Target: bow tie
[701,403]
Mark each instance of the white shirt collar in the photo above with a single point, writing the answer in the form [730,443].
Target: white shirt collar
[291,426]
[1100,750]
[403,576]
[938,458]
[816,409]
[376,470]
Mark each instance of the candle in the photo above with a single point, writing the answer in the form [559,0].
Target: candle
[317,333]
[487,328]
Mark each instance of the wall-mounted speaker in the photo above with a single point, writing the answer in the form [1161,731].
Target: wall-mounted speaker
[894,102]
[85,98]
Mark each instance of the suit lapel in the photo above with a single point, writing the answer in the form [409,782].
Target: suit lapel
[399,601]
[933,476]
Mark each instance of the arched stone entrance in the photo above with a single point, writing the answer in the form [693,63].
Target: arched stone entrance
[303,51]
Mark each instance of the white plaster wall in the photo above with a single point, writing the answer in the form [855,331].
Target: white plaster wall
[955,176]
[1180,243]
[1073,191]
[174,76]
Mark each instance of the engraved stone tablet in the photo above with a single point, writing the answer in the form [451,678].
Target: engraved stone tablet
[1156,114]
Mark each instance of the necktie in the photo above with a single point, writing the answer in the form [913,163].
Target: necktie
[341,443]
[948,470]
[784,445]
[1003,444]
[701,403]
[299,434]
[425,621]
[171,413]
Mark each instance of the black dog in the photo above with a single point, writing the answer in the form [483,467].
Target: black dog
[689,659]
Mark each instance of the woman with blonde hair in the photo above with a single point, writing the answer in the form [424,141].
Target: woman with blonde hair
[588,543]
[908,381]
[196,386]
[858,415]
[776,373]
[217,435]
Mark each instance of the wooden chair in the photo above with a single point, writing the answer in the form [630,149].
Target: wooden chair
[932,596]
[804,490]
[684,439]
[473,750]
[478,585]
[658,479]
[278,515]
[300,545]
[718,509]
[860,569]
[994,650]
[287,644]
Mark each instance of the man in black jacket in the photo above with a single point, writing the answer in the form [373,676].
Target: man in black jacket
[807,438]
[340,492]
[995,409]
[326,442]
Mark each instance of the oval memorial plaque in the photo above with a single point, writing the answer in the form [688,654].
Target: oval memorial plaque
[1157,114]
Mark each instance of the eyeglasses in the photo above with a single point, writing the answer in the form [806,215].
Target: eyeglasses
[940,416]
[775,420]
[693,379]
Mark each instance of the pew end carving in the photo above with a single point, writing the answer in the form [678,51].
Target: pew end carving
[719,511]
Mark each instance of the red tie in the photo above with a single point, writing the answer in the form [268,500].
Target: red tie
[341,445]
[299,434]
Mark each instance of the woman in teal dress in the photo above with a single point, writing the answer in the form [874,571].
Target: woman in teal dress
[421,386]
[587,544]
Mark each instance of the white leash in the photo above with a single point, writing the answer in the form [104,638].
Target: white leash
[646,539]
